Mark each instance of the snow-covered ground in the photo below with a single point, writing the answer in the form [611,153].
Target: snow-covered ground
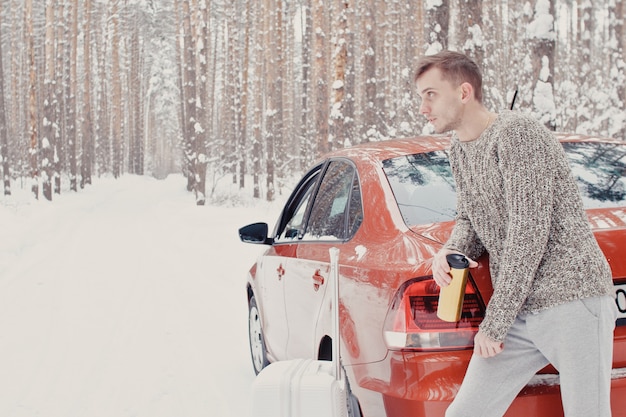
[124,299]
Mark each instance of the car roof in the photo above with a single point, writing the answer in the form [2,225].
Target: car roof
[391,148]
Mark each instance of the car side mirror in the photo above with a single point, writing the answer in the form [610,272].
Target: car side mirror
[255,233]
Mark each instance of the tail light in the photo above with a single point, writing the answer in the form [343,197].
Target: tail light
[412,321]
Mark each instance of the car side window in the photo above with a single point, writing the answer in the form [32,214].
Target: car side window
[336,212]
[355,212]
[296,210]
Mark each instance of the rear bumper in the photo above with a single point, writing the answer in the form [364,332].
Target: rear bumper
[534,401]
[424,384]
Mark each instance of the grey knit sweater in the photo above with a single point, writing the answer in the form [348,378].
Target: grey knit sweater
[517,199]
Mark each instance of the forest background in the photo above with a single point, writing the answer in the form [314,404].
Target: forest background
[256,90]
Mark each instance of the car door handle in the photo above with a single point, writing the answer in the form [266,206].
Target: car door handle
[318,280]
[281,271]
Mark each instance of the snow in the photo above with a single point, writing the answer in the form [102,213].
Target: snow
[124,299]
[543,99]
[433,4]
[542,26]
[434,47]
[338,84]
[476,38]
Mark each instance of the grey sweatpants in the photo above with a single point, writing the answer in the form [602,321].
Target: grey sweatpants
[576,338]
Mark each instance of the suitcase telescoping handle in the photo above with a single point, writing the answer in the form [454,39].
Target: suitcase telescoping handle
[334,277]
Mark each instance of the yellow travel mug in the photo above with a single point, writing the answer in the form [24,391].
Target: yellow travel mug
[451,297]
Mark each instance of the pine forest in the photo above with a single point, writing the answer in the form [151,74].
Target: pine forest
[253,91]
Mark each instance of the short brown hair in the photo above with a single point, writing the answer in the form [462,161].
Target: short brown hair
[455,67]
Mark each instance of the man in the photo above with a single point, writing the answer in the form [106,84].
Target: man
[518,201]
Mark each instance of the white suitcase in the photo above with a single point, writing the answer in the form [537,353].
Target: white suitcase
[298,388]
[304,387]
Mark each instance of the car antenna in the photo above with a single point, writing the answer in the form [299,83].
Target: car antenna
[513,100]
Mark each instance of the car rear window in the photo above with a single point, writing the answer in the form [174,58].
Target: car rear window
[424,189]
[600,169]
[423,186]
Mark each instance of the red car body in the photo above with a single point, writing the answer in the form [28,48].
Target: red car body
[399,358]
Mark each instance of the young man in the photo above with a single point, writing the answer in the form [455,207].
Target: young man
[518,201]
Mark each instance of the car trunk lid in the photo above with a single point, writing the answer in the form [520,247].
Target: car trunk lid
[609,228]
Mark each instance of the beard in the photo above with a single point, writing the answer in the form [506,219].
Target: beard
[450,121]
[446,126]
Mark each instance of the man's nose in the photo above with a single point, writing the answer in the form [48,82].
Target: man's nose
[424,109]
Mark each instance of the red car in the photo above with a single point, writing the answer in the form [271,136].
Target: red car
[389,206]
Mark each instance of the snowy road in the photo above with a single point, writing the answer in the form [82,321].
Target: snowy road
[125,299]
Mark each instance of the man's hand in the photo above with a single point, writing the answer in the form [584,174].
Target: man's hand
[441,269]
[486,347]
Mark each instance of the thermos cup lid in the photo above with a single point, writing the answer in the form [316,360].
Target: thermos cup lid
[457,261]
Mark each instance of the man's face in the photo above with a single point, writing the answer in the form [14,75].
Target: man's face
[441,101]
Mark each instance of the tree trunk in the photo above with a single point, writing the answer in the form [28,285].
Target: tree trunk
[230,126]
[436,26]
[72,84]
[542,42]
[136,140]
[116,94]
[257,111]
[32,99]
[340,57]
[369,130]
[189,96]
[48,141]
[243,120]
[306,129]
[498,90]
[617,124]
[349,88]
[4,140]
[270,106]
[201,103]
[87,148]
[182,74]
[471,30]
[277,90]
[320,76]
[17,111]
[61,92]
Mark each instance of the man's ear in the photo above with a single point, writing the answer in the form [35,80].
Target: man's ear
[467,92]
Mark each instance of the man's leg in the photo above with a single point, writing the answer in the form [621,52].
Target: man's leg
[491,384]
[577,338]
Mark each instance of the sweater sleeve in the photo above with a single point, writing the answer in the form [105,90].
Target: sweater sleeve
[527,153]
[463,237]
